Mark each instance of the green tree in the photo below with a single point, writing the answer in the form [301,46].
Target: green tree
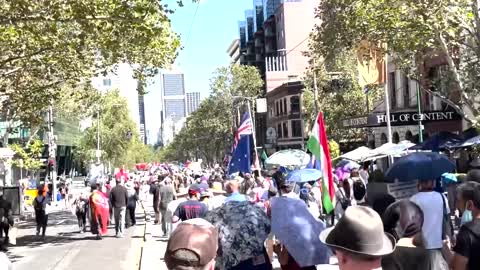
[48,45]
[28,157]
[339,96]
[411,32]
[208,131]
[117,130]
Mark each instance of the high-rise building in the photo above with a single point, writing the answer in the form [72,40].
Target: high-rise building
[193,102]
[234,51]
[174,105]
[174,96]
[276,36]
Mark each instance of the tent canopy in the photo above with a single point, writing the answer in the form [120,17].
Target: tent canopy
[363,153]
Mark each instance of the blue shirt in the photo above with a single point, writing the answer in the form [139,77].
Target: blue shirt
[236,197]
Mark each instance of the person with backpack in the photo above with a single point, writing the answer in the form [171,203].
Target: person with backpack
[81,209]
[6,218]
[41,215]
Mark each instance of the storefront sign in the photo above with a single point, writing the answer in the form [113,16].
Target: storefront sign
[400,119]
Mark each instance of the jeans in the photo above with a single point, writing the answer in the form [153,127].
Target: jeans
[42,219]
[119,214]
[130,219]
[166,222]
[82,220]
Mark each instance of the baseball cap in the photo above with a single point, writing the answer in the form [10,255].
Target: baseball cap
[193,244]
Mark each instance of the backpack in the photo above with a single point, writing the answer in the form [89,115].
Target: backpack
[39,206]
[344,201]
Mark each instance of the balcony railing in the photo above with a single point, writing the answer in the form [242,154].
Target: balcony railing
[276,63]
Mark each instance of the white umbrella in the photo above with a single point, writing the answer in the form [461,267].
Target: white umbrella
[288,158]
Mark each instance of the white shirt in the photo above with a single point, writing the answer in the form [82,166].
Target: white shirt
[431,205]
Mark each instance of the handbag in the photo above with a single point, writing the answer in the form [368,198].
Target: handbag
[12,235]
[446,222]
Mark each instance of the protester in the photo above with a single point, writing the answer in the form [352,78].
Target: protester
[154,190]
[6,218]
[436,225]
[166,195]
[467,246]
[382,202]
[130,219]
[81,209]
[119,200]
[193,245]
[404,220]
[233,189]
[99,211]
[190,209]
[358,239]
[40,204]
[243,228]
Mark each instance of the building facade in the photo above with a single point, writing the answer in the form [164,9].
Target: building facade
[193,102]
[273,38]
[234,51]
[174,105]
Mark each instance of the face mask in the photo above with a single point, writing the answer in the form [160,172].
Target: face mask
[466,216]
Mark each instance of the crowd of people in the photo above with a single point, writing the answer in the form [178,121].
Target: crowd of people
[196,211]
[213,221]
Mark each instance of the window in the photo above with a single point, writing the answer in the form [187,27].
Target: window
[409,136]
[107,82]
[281,107]
[285,129]
[295,104]
[285,106]
[296,128]
[277,108]
[383,139]
[406,91]
[396,137]
[393,90]
[279,131]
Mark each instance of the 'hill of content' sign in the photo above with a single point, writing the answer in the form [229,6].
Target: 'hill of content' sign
[400,119]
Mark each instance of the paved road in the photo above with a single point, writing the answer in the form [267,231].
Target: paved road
[66,248]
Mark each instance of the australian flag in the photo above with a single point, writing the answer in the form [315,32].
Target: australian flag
[240,161]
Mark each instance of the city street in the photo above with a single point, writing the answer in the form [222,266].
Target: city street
[66,248]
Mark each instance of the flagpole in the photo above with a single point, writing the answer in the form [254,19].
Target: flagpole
[387,105]
[253,131]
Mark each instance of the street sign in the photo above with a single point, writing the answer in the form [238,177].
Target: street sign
[261,105]
[98,153]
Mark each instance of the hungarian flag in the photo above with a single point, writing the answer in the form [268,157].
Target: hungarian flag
[318,145]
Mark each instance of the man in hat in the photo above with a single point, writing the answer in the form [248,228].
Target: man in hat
[192,246]
[192,208]
[358,239]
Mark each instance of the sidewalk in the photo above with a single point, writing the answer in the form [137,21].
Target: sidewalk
[154,245]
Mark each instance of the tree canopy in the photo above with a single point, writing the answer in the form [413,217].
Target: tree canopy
[339,96]
[208,131]
[411,32]
[119,138]
[50,45]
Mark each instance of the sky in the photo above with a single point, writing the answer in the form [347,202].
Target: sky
[214,28]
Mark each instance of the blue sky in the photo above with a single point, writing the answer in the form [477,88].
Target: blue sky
[214,29]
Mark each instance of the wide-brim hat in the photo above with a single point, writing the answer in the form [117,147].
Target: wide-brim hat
[359,231]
